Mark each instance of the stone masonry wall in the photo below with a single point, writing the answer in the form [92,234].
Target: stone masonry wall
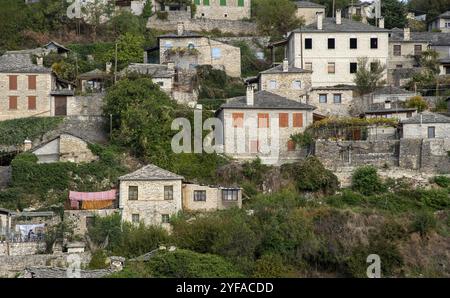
[89,105]
[21,248]
[5,176]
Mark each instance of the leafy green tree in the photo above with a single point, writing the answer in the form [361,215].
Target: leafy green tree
[366,181]
[431,8]
[417,102]
[96,13]
[126,22]
[129,50]
[368,77]
[13,20]
[394,13]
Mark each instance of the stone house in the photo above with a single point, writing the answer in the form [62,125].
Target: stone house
[405,47]
[427,125]
[29,90]
[223,9]
[390,93]
[188,49]
[395,109]
[332,100]
[65,147]
[330,47]
[162,74]
[360,9]
[260,125]
[308,11]
[207,198]
[441,22]
[150,195]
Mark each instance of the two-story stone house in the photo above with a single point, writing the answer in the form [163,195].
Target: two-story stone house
[308,10]
[440,23]
[330,47]
[188,49]
[223,9]
[260,125]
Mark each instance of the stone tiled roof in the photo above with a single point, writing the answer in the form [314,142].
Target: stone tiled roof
[336,87]
[279,69]
[329,25]
[155,70]
[266,100]
[94,74]
[151,172]
[20,63]
[391,90]
[427,117]
[53,272]
[184,35]
[307,4]
[434,38]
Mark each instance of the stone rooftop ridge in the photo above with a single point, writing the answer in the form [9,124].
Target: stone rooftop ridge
[151,172]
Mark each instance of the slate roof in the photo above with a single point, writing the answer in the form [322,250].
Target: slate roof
[184,35]
[266,100]
[58,45]
[54,272]
[391,90]
[94,74]
[151,172]
[329,25]
[307,4]
[155,70]
[20,63]
[279,69]
[336,87]
[434,38]
[427,117]
[445,15]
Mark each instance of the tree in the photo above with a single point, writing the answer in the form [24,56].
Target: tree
[417,102]
[129,50]
[429,74]
[96,13]
[366,181]
[431,8]
[276,18]
[126,22]
[147,11]
[368,78]
[394,13]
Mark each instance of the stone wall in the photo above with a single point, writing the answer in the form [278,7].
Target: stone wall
[231,10]
[21,248]
[330,107]
[79,218]
[5,176]
[291,85]
[199,25]
[11,266]
[88,105]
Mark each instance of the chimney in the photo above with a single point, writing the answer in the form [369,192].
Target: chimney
[319,20]
[387,105]
[250,95]
[364,20]
[27,144]
[108,67]
[285,65]
[170,66]
[180,28]
[338,17]
[407,34]
[145,57]
[381,23]
[40,61]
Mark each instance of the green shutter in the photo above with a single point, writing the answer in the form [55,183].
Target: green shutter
[197,2]
[205,2]
[240,2]
[223,2]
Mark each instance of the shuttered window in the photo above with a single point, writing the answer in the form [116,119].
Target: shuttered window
[290,145]
[238,119]
[12,82]
[32,82]
[284,120]
[298,119]
[13,102]
[263,120]
[32,102]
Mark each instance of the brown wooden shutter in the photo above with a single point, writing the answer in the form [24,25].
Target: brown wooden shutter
[32,102]
[263,120]
[298,120]
[238,119]
[290,145]
[284,120]
[13,102]
[32,82]
[13,82]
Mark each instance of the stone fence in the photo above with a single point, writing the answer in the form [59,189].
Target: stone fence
[20,248]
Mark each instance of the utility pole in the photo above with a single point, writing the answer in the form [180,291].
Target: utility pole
[334,8]
[115,65]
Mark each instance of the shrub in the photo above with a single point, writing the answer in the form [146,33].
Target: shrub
[270,266]
[442,181]
[365,180]
[16,131]
[423,223]
[98,260]
[162,15]
[417,102]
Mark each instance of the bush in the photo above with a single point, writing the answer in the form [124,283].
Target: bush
[16,131]
[417,102]
[270,266]
[442,181]
[423,223]
[365,180]
[98,260]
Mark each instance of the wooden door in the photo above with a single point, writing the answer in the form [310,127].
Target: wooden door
[60,105]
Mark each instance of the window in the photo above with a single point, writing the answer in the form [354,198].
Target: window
[323,98]
[431,132]
[263,120]
[12,82]
[408,114]
[331,43]
[308,43]
[397,50]
[31,102]
[272,84]
[31,82]
[240,2]
[133,193]
[283,119]
[13,102]
[418,49]
[254,146]
[353,43]
[199,195]
[223,2]
[165,218]
[206,2]
[225,15]
[290,145]
[337,98]
[168,192]
[373,66]
[238,119]
[374,43]
[191,46]
[399,66]
[296,84]
[135,218]
[216,53]
[353,67]
[298,119]
[331,67]
[168,45]
[230,194]
[308,66]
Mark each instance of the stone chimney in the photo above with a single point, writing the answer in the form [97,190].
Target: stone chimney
[108,67]
[338,17]
[180,28]
[145,57]
[407,34]
[250,95]
[364,20]
[387,105]
[320,21]
[170,66]
[40,61]
[27,145]
[381,23]
[285,65]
